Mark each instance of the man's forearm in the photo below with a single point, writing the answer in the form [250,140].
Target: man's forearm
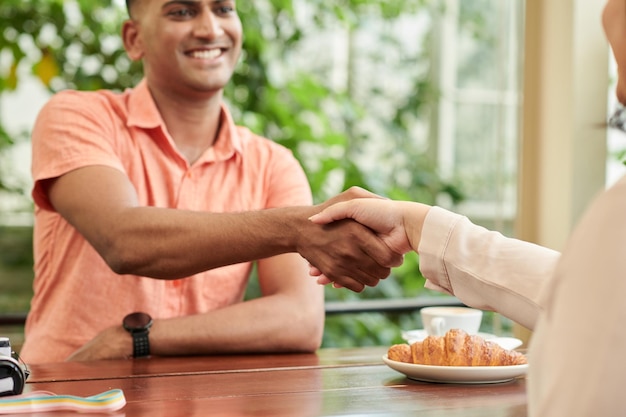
[170,244]
[281,324]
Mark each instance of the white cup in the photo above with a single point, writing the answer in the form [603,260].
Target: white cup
[438,320]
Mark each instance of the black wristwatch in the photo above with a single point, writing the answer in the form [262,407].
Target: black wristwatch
[138,325]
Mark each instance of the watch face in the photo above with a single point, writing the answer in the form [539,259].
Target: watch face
[137,321]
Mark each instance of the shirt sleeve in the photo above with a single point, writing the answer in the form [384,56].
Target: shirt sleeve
[73,130]
[483,268]
[577,357]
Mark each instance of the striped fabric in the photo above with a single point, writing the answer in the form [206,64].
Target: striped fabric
[38,401]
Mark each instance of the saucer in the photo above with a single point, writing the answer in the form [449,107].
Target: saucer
[510,343]
[458,374]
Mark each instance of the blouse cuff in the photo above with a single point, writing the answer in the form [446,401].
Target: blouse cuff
[436,231]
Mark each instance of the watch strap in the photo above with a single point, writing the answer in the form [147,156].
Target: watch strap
[141,343]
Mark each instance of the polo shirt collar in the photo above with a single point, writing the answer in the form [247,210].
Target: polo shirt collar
[144,114]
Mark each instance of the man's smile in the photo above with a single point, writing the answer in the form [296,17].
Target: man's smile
[205,53]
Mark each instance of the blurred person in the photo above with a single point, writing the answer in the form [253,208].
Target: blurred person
[153,201]
[575,301]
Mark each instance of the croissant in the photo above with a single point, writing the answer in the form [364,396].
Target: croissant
[455,348]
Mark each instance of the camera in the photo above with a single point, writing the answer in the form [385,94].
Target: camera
[12,375]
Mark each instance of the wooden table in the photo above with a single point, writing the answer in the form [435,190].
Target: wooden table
[333,382]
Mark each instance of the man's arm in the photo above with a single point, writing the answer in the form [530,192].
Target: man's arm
[101,203]
[289,317]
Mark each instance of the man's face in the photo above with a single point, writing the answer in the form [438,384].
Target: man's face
[191,45]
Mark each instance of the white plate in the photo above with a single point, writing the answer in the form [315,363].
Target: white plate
[506,342]
[458,374]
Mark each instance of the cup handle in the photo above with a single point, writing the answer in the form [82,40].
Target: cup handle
[437,325]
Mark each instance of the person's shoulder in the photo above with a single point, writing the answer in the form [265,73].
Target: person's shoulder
[86,97]
[91,104]
[610,203]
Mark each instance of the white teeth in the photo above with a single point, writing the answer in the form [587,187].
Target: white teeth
[210,54]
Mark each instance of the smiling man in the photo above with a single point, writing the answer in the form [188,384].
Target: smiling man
[153,201]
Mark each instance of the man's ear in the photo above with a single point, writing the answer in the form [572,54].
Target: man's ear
[132,41]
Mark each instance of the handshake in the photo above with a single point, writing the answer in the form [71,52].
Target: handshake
[386,230]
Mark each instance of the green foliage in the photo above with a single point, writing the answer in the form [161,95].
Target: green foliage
[303,111]
[76,44]
[66,44]
[620,155]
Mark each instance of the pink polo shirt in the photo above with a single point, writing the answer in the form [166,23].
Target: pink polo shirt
[76,295]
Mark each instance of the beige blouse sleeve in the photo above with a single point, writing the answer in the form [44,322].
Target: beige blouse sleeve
[482,268]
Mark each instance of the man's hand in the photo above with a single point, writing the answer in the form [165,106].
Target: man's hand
[398,225]
[347,252]
[111,343]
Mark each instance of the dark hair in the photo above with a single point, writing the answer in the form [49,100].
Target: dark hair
[129,4]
